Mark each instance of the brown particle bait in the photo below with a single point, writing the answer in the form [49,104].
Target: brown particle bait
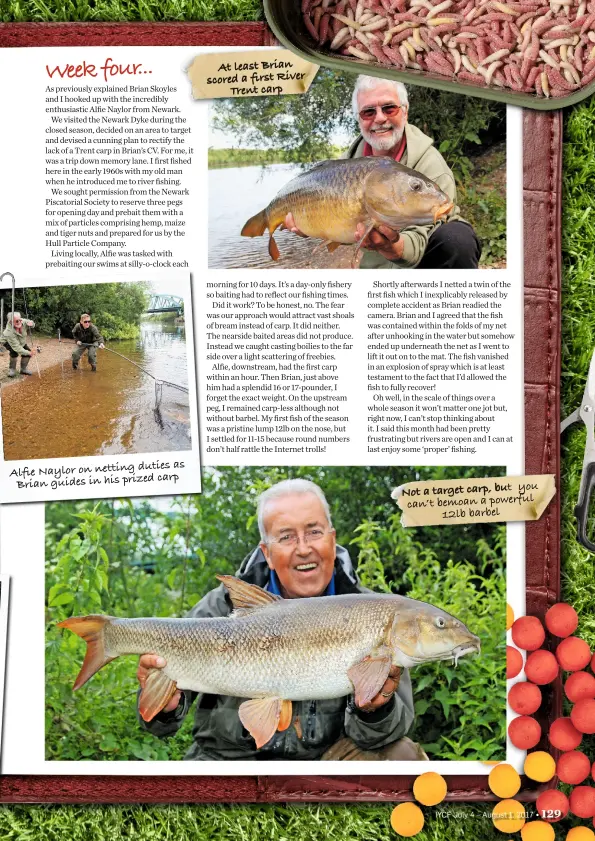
[519,45]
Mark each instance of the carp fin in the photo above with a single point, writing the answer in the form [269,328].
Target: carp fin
[256,225]
[332,246]
[359,245]
[157,692]
[273,248]
[369,674]
[246,597]
[91,630]
[262,717]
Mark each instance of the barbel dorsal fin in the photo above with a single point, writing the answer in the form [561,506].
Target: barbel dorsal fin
[262,717]
[246,597]
[369,674]
[157,692]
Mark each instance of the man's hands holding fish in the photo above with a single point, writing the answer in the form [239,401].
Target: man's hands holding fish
[154,661]
[384,240]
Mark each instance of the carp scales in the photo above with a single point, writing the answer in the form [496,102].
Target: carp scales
[333,197]
[273,651]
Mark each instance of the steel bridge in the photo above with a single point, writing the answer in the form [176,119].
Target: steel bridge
[165,303]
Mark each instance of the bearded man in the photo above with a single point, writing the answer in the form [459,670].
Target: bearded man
[381,108]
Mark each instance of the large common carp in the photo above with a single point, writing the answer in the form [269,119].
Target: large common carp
[274,650]
[333,197]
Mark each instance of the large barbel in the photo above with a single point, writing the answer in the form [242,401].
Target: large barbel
[274,651]
[332,198]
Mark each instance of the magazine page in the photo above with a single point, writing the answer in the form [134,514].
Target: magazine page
[322,386]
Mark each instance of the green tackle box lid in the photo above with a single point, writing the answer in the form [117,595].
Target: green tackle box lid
[285,19]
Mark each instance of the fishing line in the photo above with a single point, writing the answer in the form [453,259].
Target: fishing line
[158,383]
[30,334]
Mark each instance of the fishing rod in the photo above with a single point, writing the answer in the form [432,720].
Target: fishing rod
[30,333]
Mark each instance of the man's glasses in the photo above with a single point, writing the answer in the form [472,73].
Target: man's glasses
[388,110]
[292,538]
[87,321]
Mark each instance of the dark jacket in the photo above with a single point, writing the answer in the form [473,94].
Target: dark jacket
[218,732]
[87,335]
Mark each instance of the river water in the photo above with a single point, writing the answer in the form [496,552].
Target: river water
[70,413]
[236,194]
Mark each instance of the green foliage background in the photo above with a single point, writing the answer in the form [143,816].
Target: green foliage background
[114,307]
[303,129]
[147,558]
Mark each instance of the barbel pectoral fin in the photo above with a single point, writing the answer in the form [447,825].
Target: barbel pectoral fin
[369,674]
[156,694]
[262,717]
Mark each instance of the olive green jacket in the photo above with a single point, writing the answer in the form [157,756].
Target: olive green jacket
[15,340]
[218,732]
[87,335]
[420,154]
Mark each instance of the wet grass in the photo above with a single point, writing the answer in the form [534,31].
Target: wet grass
[362,822]
[129,10]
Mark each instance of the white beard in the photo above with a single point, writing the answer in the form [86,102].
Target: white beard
[384,142]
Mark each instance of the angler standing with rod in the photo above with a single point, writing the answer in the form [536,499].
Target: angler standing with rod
[88,338]
[15,342]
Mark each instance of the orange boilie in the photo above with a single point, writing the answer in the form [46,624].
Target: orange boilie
[541,667]
[561,620]
[573,654]
[524,698]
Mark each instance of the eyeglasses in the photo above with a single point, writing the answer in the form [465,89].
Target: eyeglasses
[292,538]
[87,321]
[388,110]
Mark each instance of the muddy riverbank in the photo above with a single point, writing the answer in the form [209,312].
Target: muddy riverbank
[66,413]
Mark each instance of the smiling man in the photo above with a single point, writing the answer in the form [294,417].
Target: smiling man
[298,557]
[381,108]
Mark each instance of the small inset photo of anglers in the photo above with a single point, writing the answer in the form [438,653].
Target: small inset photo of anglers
[351,638]
[94,369]
[359,172]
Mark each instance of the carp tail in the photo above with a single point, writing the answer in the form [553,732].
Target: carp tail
[91,629]
[256,225]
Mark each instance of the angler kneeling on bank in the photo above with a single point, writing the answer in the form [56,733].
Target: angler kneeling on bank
[88,338]
[15,342]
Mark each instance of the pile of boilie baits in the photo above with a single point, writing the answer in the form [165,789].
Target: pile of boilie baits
[547,50]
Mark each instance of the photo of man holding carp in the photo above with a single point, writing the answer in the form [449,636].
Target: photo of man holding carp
[390,194]
[291,658]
